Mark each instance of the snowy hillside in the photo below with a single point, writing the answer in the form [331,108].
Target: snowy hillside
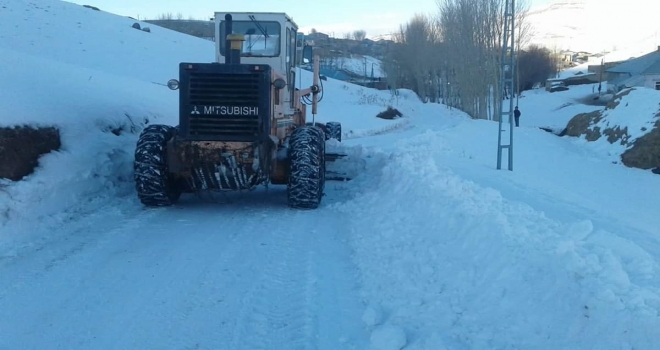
[362,65]
[595,25]
[429,247]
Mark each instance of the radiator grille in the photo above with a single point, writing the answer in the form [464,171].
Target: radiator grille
[224,89]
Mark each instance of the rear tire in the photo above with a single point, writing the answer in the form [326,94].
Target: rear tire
[333,131]
[306,167]
[155,187]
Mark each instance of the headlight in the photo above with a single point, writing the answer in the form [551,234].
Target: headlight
[279,83]
[173,84]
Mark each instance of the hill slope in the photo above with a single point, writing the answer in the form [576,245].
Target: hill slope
[596,26]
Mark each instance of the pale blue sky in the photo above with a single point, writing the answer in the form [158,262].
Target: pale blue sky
[329,16]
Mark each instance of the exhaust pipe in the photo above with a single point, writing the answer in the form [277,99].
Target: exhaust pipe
[233,43]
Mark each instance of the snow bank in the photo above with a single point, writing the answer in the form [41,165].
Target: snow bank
[356,107]
[98,81]
[362,65]
[99,116]
[463,267]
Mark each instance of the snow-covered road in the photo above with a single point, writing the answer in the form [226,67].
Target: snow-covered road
[243,272]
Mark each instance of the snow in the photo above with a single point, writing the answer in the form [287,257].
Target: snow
[362,65]
[428,247]
[388,338]
[554,110]
[594,25]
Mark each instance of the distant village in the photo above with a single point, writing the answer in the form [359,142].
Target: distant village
[358,61]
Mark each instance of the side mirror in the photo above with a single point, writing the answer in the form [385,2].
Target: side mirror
[308,53]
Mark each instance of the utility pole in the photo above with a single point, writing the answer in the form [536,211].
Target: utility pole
[506,83]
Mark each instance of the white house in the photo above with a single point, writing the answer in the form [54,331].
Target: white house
[643,71]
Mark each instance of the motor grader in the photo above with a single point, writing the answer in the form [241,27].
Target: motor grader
[242,120]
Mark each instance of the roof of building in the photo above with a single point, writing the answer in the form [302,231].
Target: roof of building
[647,64]
[627,81]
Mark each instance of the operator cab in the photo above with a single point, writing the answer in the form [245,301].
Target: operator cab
[270,38]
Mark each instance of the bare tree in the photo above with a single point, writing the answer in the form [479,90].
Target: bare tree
[413,60]
[165,16]
[536,65]
[472,33]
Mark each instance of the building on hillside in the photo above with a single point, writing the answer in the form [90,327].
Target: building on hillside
[318,38]
[602,69]
[643,71]
[579,78]
[565,59]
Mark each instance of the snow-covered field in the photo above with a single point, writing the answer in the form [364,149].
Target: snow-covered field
[429,247]
[362,65]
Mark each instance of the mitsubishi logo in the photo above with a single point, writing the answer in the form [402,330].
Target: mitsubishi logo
[195,111]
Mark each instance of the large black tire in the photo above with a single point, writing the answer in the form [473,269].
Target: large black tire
[320,126]
[155,187]
[306,167]
[333,131]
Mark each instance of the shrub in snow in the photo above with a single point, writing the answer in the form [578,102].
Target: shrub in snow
[146,29]
[390,113]
[92,7]
[136,26]
[21,147]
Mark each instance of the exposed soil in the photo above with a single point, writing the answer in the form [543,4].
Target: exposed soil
[21,147]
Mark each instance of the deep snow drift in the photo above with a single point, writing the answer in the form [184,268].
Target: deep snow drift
[429,247]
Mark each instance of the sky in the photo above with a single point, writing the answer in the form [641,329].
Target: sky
[333,17]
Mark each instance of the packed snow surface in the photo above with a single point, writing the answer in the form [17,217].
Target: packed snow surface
[428,247]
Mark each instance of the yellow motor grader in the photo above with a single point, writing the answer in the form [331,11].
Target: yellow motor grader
[242,120]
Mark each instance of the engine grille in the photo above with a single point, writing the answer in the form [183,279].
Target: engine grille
[218,89]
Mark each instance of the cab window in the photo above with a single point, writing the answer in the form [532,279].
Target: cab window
[262,38]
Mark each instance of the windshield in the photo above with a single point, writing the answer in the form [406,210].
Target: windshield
[262,38]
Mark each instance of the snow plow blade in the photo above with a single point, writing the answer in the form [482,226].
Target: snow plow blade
[333,170]
[342,166]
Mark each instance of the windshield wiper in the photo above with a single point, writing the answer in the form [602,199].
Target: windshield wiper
[258,25]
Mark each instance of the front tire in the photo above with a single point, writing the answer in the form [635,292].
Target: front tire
[306,167]
[333,130]
[153,183]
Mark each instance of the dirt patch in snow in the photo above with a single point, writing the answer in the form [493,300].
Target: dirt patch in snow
[582,124]
[645,152]
[585,124]
[21,147]
[390,113]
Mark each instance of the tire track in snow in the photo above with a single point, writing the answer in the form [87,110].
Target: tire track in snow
[307,294]
[276,311]
[252,274]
